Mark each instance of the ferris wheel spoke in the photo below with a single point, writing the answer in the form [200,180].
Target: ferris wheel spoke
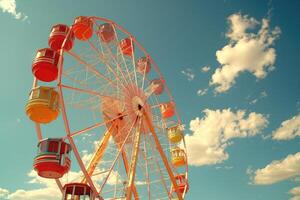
[119,50]
[118,155]
[133,63]
[107,47]
[74,80]
[103,59]
[117,64]
[91,68]
[99,124]
[87,91]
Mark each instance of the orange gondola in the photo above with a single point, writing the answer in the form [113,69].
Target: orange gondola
[178,157]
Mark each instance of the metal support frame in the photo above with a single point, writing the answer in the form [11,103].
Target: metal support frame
[133,162]
[98,154]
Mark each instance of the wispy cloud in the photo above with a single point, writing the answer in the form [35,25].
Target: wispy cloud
[189,74]
[202,92]
[262,95]
[246,51]
[205,69]
[10,6]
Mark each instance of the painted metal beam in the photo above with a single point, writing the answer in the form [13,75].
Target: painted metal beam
[133,162]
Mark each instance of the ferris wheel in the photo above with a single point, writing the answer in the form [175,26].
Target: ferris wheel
[106,122]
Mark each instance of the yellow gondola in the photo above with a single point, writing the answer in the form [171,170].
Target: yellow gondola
[42,106]
[175,133]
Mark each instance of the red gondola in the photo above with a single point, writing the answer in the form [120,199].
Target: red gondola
[77,191]
[182,183]
[143,65]
[107,32]
[127,47]
[44,65]
[157,86]
[58,35]
[167,109]
[53,159]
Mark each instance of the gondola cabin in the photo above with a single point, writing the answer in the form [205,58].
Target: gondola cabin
[42,106]
[178,157]
[143,65]
[126,46]
[83,28]
[52,160]
[106,33]
[167,109]
[182,183]
[60,33]
[45,65]
[157,86]
[175,133]
[77,191]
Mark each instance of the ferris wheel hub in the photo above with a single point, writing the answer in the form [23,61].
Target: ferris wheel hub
[137,105]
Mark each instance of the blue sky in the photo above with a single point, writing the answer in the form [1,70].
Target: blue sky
[232,67]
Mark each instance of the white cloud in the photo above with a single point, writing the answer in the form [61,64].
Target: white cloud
[205,69]
[278,170]
[295,192]
[10,6]
[189,74]
[288,129]
[3,193]
[246,51]
[48,190]
[202,92]
[214,132]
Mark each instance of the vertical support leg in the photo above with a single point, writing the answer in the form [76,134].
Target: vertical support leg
[98,154]
[126,165]
[133,162]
